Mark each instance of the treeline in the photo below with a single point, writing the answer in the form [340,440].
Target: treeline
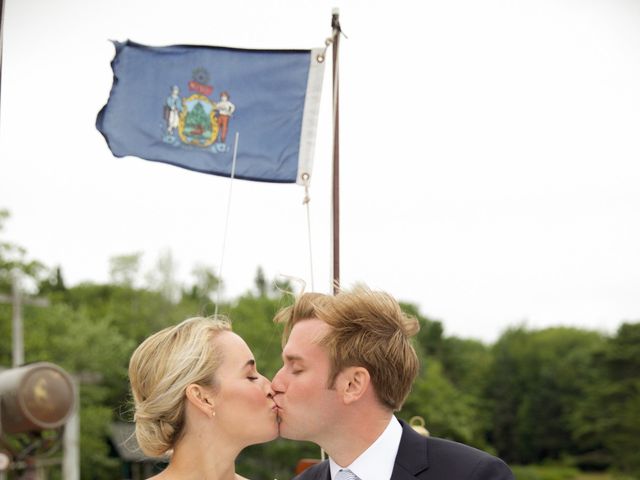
[563,395]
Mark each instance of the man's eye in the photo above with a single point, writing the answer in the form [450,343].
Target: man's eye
[296,372]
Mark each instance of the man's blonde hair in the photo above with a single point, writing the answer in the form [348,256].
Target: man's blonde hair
[368,329]
[161,369]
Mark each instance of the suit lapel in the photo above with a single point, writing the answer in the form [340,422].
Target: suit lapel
[324,472]
[319,471]
[412,457]
[327,473]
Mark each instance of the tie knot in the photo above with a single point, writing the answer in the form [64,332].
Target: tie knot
[346,474]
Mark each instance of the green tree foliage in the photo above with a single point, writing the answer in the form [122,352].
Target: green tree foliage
[205,286]
[447,392]
[54,282]
[448,411]
[252,319]
[13,258]
[261,282]
[197,121]
[534,386]
[608,418]
[163,277]
[123,269]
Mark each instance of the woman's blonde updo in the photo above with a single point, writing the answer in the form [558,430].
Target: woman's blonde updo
[160,370]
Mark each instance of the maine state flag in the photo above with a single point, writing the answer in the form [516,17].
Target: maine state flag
[184,104]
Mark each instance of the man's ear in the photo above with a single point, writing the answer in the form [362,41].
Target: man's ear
[199,397]
[354,382]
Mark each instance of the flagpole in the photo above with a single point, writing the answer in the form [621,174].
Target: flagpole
[1,42]
[335,25]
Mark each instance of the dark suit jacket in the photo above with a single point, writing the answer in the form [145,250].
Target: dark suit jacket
[430,458]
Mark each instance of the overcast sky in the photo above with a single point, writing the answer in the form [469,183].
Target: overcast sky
[489,150]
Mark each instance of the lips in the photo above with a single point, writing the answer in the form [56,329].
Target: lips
[278,411]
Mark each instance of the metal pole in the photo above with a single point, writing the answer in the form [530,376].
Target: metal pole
[4,458]
[17,335]
[335,24]
[71,441]
[1,43]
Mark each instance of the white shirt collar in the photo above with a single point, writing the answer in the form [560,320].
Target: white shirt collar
[377,461]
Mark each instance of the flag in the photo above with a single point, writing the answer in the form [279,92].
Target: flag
[184,104]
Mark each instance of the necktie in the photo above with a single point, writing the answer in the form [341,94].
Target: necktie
[346,474]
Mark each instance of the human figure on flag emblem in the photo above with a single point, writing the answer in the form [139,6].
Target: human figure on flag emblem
[225,110]
[172,110]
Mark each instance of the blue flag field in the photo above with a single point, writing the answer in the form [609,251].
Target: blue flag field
[183,105]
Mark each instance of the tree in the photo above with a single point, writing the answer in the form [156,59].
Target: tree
[608,418]
[61,335]
[448,412]
[163,277]
[447,392]
[534,385]
[53,283]
[14,258]
[123,269]
[205,286]
[260,282]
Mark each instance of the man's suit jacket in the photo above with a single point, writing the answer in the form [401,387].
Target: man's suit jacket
[429,458]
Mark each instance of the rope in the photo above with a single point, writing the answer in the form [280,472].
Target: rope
[226,223]
[307,199]
[321,58]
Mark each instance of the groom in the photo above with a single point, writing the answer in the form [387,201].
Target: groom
[348,365]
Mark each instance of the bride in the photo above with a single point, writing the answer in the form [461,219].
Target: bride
[200,399]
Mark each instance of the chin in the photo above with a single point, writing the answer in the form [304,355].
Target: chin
[289,433]
[267,433]
[274,434]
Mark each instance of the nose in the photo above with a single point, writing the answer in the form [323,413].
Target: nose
[266,387]
[277,384]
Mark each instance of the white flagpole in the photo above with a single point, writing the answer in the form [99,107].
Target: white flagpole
[1,43]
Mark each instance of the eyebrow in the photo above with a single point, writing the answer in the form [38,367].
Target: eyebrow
[293,358]
[250,363]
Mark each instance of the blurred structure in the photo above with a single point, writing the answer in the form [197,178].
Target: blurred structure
[36,401]
[135,464]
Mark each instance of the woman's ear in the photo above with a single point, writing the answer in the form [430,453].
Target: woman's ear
[354,383]
[199,397]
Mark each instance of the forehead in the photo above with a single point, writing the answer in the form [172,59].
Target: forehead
[233,348]
[305,337]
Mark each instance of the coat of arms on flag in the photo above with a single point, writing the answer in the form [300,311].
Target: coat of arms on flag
[197,119]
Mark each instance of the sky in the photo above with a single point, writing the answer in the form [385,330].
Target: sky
[490,160]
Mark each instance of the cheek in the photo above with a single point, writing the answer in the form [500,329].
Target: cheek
[305,388]
[242,394]
[257,395]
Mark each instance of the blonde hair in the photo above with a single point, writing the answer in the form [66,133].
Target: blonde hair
[304,307]
[368,329]
[160,370]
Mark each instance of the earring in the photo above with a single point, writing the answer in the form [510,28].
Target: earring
[213,413]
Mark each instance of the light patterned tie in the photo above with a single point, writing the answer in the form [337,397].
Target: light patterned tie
[346,474]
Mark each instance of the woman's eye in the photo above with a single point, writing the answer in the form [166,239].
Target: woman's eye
[253,379]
